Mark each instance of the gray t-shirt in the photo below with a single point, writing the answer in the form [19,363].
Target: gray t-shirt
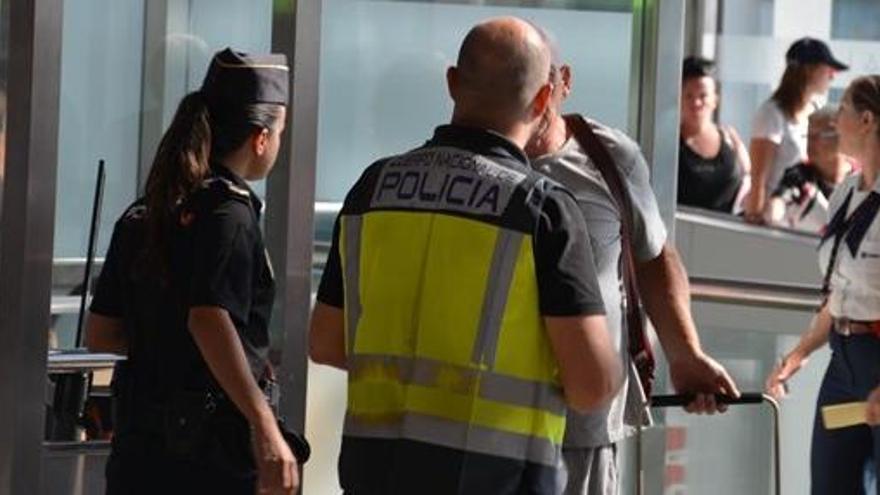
[571,166]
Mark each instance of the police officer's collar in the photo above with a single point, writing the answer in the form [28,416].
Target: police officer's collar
[481,141]
[225,173]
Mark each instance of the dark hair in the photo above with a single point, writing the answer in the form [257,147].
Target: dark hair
[791,94]
[696,67]
[864,93]
[194,139]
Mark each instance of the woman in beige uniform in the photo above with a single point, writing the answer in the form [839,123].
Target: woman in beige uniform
[849,319]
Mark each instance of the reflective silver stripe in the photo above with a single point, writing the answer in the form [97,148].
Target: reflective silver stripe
[456,435]
[504,258]
[485,384]
[352,256]
[511,390]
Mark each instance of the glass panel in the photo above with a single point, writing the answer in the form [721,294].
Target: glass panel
[100,99]
[751,51]
[98,119]
[380,60]
[125,66]
[732,453]
[855,20]
[752,36]
[383,90]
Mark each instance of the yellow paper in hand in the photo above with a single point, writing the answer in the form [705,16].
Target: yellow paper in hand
[843,415]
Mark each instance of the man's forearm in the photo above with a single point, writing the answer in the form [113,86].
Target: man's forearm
[327,336]
[665,293]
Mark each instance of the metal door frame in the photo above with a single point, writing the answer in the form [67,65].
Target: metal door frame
[28,224]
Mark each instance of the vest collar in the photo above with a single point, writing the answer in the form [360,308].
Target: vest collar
[481,141]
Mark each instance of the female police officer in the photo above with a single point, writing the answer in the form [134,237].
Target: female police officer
[850,316]
[186,291]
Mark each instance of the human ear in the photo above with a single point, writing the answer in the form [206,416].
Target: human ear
[260,141]
[541,102]
[869,122]
[452,82]
[565,72]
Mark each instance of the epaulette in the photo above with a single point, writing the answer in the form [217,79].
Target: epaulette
[137,211]
[217,189]
[224,185]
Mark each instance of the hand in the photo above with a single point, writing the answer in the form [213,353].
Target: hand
[872,412]
[756,218]
[276,465]
[704,377]
[754,206]
[791,364]
[775,211]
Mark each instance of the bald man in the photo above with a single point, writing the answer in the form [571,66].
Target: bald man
[460,296]
[590,440]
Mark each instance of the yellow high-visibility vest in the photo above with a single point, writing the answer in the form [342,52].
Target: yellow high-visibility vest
[445,341]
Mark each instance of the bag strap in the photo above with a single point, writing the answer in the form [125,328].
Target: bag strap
[639,346]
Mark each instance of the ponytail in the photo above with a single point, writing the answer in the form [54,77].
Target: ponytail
[182,162]
[180,165]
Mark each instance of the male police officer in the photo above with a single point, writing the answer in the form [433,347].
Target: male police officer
[460,291]
[590,451]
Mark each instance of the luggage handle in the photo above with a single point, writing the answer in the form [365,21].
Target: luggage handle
[682,400]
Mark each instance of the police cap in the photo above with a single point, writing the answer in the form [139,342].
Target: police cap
[236,79]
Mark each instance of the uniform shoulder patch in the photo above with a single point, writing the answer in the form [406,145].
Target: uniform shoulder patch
[210,194]
[215,190]
[137,211]
[226,186]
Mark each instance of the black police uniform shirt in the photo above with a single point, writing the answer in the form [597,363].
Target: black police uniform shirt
[217,258]
[567,286]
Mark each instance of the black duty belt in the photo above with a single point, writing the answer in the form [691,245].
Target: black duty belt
[152,416]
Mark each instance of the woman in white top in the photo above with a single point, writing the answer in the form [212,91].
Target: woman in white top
[779,128]
[849,318]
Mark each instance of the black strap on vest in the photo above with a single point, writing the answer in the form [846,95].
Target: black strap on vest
[639,345]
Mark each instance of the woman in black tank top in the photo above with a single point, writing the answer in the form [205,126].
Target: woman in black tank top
[712,161]
[712,183]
